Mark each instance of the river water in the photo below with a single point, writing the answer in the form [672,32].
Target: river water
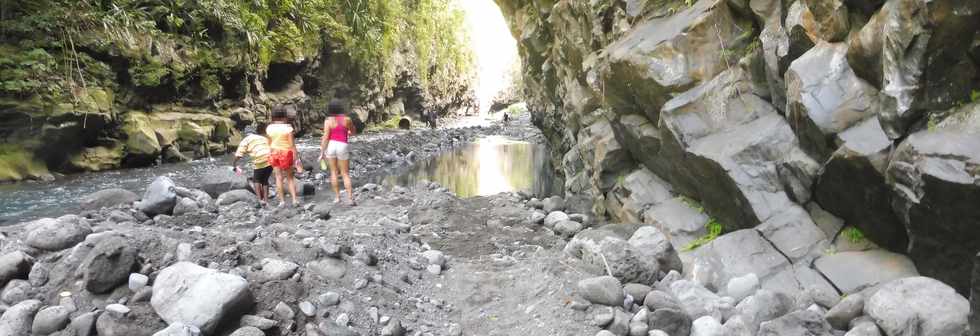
[489,166]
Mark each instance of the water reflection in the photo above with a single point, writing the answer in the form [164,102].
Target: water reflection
[491,165]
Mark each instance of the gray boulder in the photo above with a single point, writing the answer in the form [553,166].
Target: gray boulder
[567,228]
[696,300]
[57,234]
[682,222]
[671,321]
[179,329]
[84,324]
[109,264]
[108,198]
[17,320]
[328,268]
[14,265]
[248,331]
[220,181]
[932,171]
[554,218]
[918,306]
[159,198]
[552,204]
[657,300]
[800,323]
[275,269]
[639,292]
[604,290]
[849,308]
[186,206]
[736,254]
[50,320]
[139,321]
[864,328]
[762,307]
[236,196]
[198,296]
[852,272]
[741,287]
[707,326]
[639,255]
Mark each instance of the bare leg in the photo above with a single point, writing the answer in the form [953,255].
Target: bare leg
[333,179]
[258,191]
[345,171]
[279,186]
[292,186]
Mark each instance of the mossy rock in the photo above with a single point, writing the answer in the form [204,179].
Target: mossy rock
[97,158]
[18,163]
[141,139]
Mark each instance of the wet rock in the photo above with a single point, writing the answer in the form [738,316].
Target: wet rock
[671,321]
[852,272]
[552,204]
[14,265]
[198,296]
[236,196]
[17,319]
[57,234]
[179,329]
[108,265]
[642,258]
[920,306]
[248,331]
[275,269]
[849,308]
[159,198]
[604,290]
[108,198]
[186,206]
[49,320]
[554,218]
[741,287]
[707,326]
[800,323]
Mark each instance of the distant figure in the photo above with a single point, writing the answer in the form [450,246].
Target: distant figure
[256,146]
[334,147]
[283,155]
[431,120]
[506,117]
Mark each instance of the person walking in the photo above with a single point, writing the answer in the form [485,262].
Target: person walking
[334,148]
[256,146]
[283,156]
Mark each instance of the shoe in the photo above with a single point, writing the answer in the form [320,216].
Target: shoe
[336,200]
[282,204]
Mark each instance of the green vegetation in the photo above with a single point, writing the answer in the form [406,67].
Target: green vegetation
[974,96]
[390,123]
[46,46]
[853,235]
[692,203]
[714,230]
[17,164]
[933,123]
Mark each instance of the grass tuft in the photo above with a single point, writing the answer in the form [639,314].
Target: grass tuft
[714,230]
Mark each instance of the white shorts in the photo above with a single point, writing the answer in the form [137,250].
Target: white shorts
[337,150]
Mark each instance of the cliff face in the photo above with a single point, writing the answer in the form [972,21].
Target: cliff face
[94,85]
[767,112]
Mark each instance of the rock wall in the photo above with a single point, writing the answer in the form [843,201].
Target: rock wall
[763,112]
[91,86]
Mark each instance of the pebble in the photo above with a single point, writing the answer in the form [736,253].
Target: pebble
[117,310]
[307,308]
[257,322]
[434,269]
[580,305]
[184,252]
[137,281]
[329,299]
[360,283]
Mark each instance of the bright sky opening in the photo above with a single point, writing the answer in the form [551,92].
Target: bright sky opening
[495,48]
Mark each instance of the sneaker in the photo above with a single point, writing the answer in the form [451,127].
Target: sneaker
[282,204]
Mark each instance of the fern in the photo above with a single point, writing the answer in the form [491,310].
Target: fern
[714,230]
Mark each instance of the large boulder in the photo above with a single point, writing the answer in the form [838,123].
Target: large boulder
[197,296]
[109,264]
[918,306]
[633,255]
[604,290]
[236,196]
[800,323]
[763,306]
[636,193]
[108,198]
[18,319]
[220,181]
[159,198]
[936,176]
[733,255]
[681,221]
[57,234]
[14,265]
[852,272]
[734,152]
[826,97]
